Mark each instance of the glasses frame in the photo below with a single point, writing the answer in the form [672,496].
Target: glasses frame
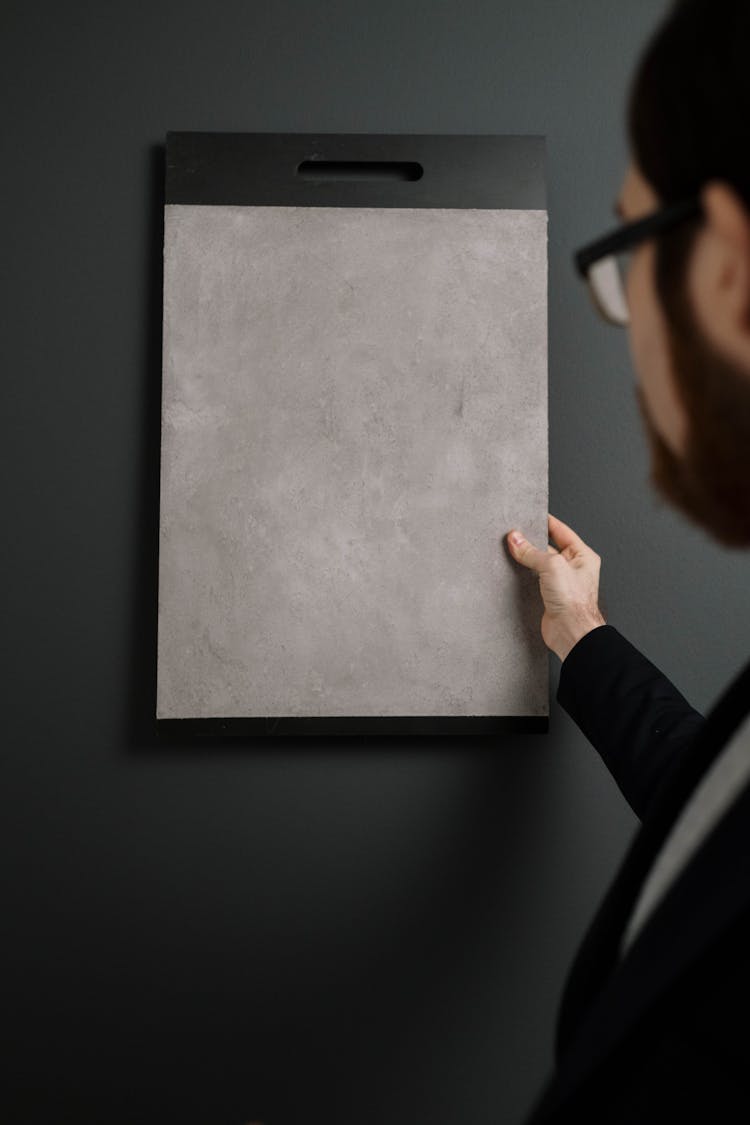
[627,236]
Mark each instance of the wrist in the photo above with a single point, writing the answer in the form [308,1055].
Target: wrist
[576,633]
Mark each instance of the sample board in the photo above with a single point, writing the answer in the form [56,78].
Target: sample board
[354,415]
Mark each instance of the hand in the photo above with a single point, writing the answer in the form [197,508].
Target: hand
[569,585]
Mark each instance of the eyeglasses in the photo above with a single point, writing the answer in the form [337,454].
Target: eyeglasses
[604,263]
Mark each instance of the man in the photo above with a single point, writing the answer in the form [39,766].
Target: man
[654,1024]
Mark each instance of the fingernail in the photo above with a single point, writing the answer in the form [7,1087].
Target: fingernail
[516,537]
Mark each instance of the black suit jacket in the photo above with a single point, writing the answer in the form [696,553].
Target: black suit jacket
[662,1035]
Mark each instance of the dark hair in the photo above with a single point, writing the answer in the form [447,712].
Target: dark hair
[689,101]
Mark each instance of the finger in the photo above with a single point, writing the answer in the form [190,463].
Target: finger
[525,553]
[564,536]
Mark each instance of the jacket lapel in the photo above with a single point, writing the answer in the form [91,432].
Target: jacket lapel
[602,998]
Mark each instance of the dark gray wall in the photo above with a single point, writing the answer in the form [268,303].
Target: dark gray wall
[357,932]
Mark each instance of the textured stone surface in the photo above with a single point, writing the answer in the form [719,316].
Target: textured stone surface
[354,414]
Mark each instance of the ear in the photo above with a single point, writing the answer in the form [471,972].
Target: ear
[723,260]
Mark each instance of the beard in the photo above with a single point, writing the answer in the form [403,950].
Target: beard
[710,483]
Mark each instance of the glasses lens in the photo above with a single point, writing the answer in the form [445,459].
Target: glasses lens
[607,280]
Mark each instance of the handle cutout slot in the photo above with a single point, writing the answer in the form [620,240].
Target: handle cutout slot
[325,170]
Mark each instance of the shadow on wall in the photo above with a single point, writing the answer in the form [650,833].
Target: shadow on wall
[140,698]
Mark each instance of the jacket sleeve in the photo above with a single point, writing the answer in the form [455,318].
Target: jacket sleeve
[631,713]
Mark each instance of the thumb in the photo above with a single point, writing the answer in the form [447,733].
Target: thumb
[525,553]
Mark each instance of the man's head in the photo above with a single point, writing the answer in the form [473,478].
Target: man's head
[689,288]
